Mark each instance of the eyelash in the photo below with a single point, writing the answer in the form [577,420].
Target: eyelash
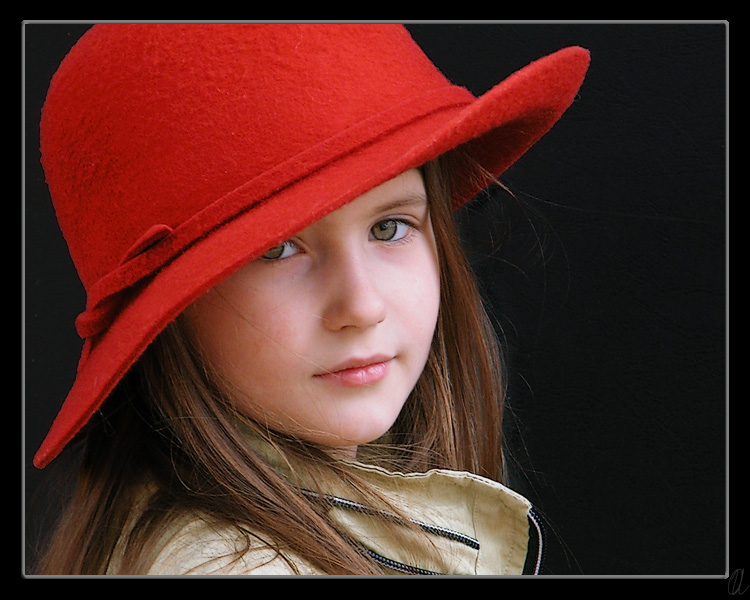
[290,244]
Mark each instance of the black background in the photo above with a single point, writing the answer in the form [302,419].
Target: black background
[607,275]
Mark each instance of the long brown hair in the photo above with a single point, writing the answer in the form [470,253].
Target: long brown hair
[168,428]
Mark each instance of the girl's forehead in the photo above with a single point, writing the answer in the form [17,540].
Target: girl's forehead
[405,191]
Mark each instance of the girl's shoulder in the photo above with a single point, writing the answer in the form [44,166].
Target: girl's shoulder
[194,545]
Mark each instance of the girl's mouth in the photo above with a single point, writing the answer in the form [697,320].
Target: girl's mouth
[358,372]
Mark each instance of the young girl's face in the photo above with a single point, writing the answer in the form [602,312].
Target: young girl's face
[325,336]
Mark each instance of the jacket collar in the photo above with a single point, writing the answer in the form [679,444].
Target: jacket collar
[473,526]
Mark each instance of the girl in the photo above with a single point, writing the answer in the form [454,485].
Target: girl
[287,368]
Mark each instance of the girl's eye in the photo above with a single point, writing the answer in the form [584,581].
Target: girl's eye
[281,251]
[390,230]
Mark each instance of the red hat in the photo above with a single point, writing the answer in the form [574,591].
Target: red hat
[174,154]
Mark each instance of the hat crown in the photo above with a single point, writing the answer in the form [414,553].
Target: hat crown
[145,126]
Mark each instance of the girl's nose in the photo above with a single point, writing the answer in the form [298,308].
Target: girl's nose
[354,297]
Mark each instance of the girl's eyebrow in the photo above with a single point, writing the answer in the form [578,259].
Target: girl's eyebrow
[416,199]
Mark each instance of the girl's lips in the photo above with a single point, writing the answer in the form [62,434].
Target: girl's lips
[358,373]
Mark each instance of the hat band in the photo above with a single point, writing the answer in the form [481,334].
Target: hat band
[161,243]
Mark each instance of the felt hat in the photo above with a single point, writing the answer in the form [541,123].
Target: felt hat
[175,153]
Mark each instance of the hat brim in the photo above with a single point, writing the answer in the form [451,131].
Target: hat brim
[496,129]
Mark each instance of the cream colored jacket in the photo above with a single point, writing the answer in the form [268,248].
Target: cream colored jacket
[478,526]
